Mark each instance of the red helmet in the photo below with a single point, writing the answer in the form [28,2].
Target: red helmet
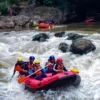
[59,60]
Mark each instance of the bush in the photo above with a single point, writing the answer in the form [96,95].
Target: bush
[4,8]
[48,2]
[14,2]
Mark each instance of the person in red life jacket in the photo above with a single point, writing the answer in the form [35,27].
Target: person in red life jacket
[39,74]
[59,66]
[49,65]
[20,64]
[29,65]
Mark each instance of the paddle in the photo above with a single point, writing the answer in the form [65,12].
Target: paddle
[75,70]
[23,78]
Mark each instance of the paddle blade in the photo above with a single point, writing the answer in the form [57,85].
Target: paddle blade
[75,70]
[22,79]
[18,68]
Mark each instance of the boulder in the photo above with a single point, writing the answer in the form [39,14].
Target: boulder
[36,13]
[74,36]
[63,47]
[2,25]
[9,23]
[6,33]
[59,34]
[6,22]
[41,37]
[21,20]
[82,46]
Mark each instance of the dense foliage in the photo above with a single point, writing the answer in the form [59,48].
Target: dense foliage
[3,7]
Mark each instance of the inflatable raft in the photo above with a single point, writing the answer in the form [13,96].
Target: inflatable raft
[44,26]
[89,20]
[53,81]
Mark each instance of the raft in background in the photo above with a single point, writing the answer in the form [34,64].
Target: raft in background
[53,82]
[89,20]
[44,27]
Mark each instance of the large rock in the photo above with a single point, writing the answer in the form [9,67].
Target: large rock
[41,37]
[60,34]
[36,13]
[21,20]
[6,22]
[82,46]
[2,25]
[11,22]
[63,47]
[74,36]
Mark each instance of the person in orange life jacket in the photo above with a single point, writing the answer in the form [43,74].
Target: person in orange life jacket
[39,75]
[49,65]
[29,65]
[20,63]
[59,66]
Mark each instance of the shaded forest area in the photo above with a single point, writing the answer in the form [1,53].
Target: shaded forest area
[74,10]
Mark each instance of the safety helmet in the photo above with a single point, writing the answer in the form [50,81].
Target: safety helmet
[19,59]
[31,58]
[51,58]
[59,60]
[36,62]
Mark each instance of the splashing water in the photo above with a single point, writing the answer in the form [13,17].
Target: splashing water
[16,44]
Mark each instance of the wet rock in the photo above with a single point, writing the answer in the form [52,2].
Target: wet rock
[74,36]
[9,24]
[41,37]
[59,34]
[6,22]
[82,46]
[63,47]
[21,20]
[6,33]
[36,13]
[2,25]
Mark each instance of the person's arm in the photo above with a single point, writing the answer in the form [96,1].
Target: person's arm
[65,69]
[55,68]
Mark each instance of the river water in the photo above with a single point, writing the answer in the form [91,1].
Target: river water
[19,44]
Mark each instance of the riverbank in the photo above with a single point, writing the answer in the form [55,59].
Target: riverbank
[79,27]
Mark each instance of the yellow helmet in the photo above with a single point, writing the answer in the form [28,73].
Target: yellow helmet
[19,59]
[36,61]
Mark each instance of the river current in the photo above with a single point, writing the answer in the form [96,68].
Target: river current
[20,44]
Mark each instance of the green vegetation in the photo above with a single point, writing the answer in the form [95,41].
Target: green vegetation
[4,5]
[14,2]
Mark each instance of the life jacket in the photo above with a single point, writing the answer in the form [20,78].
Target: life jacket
[18,65]
[10,13]
[30,66]
[39,73]
[50,67]
[60,67]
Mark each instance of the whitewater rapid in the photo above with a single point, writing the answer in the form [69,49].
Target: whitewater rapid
[20,44]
